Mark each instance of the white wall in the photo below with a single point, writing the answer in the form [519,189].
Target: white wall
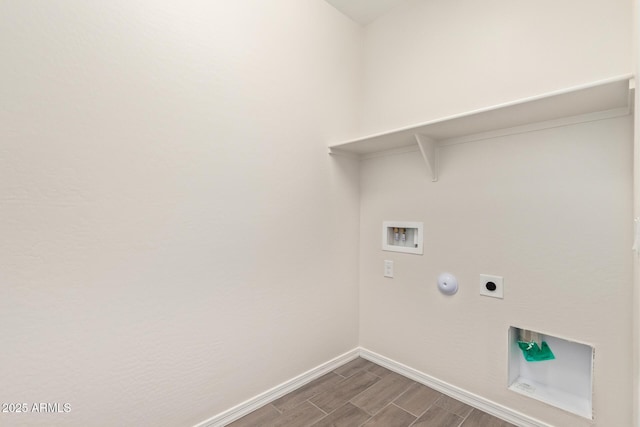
[550,211]
[428,59]
[173,230]
[635,54]
[175,238]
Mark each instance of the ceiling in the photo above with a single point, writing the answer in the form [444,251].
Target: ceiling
[364,11]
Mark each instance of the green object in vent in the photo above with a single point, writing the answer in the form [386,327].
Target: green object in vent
[533,353]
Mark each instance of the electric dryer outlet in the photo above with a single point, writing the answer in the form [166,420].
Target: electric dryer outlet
[492,286]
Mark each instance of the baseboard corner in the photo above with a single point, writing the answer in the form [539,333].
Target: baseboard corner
[250,405]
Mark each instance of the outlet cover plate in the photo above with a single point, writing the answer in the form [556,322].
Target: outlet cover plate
[486,291]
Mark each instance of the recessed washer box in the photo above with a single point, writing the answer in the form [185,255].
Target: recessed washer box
[402,236]
[565,382]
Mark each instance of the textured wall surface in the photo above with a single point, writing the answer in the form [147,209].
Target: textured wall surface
[175,238]
[428,59]
[551,212]
[635,54]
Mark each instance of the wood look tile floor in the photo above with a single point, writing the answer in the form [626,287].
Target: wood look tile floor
[363,394]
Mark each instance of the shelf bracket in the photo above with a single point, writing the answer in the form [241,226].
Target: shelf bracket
[428,148]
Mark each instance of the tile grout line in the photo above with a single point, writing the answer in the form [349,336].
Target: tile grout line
[358,370]
[390,403]
[372,416]
[445,409]
[406,412]
[350,400]
[276,408]
[376,382]
[462,419]
[465,418]
[372,373]
[385,406]
[377,376]
[365,421]
[323,411]
[398,396]
[404,392]
[425,411]
[380,410]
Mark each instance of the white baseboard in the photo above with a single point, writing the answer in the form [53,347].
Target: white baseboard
[239,411]
[485,405]
[278,391]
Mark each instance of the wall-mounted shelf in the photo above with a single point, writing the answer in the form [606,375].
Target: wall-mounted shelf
[604,98]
